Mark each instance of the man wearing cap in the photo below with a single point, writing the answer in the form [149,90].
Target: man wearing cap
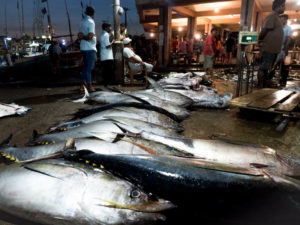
[135,62]
[270,40]
[87,37]
[106,54]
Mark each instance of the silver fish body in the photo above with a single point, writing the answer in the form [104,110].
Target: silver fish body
[206,99]
[105,130]
[57,192]
[231,153]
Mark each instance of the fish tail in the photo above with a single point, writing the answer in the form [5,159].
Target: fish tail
[7,141]
[85,97]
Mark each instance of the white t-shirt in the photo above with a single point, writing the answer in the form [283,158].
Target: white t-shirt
[105,53]
[128,53]
[87,25]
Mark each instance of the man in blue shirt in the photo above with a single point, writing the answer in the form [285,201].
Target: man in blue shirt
[287,31]
[106,55]
[87,37]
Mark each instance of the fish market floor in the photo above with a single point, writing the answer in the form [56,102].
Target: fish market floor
[52,105]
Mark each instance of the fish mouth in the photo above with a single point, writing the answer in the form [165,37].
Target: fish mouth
[152,207]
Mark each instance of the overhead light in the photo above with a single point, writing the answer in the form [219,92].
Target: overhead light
[298,3]
[289,22]
[197,36]
[179,28]
[152,35]
[295,33]
[216,10]
[295,20]
[231,16]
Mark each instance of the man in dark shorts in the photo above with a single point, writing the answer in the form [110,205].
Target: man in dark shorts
[229,48]
[270,40]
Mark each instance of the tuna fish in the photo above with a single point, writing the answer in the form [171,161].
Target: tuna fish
[184,179]
[207,99]
[232,153]
[127,112]
[58,192]
[122,145]
[105,130]
[113,97]
[12,109]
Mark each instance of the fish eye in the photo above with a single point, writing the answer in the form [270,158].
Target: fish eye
[135,193]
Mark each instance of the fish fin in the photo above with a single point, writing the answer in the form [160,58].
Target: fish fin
[258,165]
[146,149]
[282,178]
[85,97]
[118,138]
[6,142]
[70,144]
[113,89]
[35,134]
[38,171]
[106,136]
[154,84]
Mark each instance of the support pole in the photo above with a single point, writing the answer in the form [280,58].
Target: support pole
[165,31]
[118,47]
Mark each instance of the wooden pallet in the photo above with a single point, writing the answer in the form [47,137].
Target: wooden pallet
[271,100]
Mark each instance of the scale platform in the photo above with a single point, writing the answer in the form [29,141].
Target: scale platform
[282,102]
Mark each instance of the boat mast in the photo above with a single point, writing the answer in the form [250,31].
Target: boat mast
[51,31]
[19,17]
[5,19]
[23,27]
[69,22]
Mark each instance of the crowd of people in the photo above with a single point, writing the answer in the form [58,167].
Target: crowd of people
[192,48]
[273,39]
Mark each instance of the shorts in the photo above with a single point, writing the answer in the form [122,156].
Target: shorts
[267,61]
[208,61]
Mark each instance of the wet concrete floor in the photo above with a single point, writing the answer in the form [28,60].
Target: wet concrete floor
[52,104]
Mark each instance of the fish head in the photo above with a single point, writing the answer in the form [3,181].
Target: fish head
[120,199]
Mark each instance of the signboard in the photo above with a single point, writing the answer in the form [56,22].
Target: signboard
[248,38]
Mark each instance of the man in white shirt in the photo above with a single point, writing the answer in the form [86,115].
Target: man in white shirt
[106,54]
[135,62]
[87,37]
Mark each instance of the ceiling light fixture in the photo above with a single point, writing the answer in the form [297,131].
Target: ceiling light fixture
[216,10]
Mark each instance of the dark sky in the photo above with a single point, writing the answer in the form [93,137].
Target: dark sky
[103,11]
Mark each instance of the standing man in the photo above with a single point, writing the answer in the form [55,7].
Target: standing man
[270,39]
[229,48]
[123,31]
[287,30]
[87,37]
[106,55]
[210,51]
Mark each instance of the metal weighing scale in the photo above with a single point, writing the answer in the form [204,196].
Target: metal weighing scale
[246,38]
